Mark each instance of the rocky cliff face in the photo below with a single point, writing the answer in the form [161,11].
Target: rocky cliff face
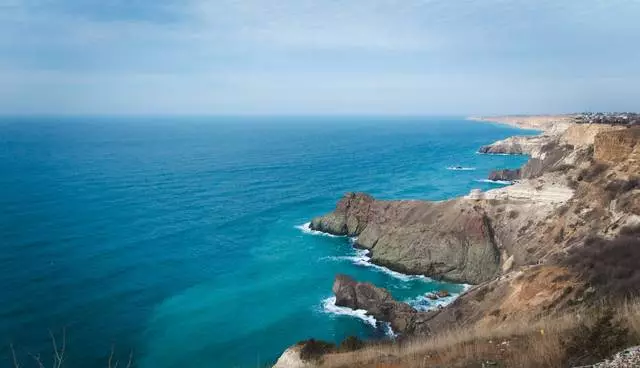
[351,216]
[617,146]
[584,134]
[453,240]
[519,145]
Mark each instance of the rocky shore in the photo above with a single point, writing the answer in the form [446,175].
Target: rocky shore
[513,243]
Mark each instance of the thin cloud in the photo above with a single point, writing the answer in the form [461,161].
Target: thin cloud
[234,56]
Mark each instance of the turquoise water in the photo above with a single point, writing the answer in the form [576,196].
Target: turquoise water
[178,238]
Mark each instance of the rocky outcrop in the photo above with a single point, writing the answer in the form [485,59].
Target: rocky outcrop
[377,302]
[451,240]
[349,218]
[505,175]
[519,145]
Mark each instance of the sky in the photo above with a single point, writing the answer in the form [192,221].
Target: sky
[410,57]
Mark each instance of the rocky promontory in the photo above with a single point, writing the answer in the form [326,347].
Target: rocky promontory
[377,302]
[519,145]
[451,240]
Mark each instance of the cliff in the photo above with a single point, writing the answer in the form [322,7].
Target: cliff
[563,238]
[519,145]
[452,240]
[618,146]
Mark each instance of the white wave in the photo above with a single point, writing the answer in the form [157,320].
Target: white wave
[501,182]
[306,228]
[388,330]
[500,154]
[361,258]
[460,168]
[425,304]
[329,306]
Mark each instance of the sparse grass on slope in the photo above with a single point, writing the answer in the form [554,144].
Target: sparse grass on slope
[576,338]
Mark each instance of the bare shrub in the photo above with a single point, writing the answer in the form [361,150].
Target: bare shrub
[619,187]
[59,349]
[351,343]
[611,266]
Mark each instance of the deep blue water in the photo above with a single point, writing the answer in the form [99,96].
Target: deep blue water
[176,237]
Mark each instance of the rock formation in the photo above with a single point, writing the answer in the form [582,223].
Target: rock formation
[377,302]
[519,145]
[453,240]
[505,175]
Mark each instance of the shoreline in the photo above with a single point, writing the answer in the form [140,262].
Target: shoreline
[361,259]
[546,124]
[550,129]
[570,165]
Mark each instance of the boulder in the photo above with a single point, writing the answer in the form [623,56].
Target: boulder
[505,175]
[443,294]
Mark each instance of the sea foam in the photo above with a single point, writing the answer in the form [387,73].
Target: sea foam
[329,306]
[361,256]
[306,228]
[425,304]
[363,259]
[499,182]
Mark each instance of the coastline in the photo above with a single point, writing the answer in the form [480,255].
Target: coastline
[547,124]
[531,275]
[364,259]
[543,195]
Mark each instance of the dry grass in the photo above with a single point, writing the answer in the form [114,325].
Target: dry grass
[544,343]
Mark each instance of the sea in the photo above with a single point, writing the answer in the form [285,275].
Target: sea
[183,241]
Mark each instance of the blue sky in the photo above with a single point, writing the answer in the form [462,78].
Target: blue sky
[318,57]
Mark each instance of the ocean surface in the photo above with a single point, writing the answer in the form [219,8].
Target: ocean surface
[182,239]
